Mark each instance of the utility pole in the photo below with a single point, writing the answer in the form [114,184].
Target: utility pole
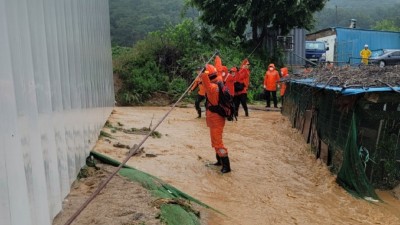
[336,16]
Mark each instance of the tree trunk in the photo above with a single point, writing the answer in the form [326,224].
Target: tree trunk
[254,30]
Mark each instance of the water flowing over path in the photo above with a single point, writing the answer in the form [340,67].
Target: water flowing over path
[274,179]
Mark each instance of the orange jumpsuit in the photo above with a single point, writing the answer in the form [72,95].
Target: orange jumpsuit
[197,83]
[214,121]
[270,82]
[229,81]
[243,76]
[218,65]
[270,79]
[285,74]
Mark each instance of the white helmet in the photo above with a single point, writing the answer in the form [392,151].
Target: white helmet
[366,46]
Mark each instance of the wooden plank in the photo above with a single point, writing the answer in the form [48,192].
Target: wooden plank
[324,152]
[306,126]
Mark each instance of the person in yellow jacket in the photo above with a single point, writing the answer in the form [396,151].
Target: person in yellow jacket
[365,54]
[200,94]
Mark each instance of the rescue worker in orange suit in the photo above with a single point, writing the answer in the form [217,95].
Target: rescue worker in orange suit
[285,75]
[200,93]
[230,79]
[214,121]
[218,65]
[242,77]
[270,82]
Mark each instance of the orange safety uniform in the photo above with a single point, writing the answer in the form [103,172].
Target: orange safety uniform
[243,76]
[198,83]
[230,80]
[218,65]
[271,78]
[285,74]
[214,121]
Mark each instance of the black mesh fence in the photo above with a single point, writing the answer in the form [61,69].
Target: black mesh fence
[325,118]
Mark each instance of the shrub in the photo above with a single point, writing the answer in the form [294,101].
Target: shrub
[165,61]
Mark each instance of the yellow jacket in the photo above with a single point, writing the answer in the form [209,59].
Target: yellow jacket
[365,54]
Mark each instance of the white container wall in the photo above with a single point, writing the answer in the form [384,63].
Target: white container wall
[56,93]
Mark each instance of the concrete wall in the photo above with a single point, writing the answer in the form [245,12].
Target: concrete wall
[56,92]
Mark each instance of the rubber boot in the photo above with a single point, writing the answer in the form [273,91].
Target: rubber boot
[218,163]
[199,113]
[226,166]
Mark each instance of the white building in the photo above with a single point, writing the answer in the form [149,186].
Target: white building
[56,93]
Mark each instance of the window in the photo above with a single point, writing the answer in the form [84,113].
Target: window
[286,42]
[396,53]
[315,46]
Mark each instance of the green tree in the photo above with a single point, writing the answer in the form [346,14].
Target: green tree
[261,15]
[339,12]
[132,20]
[386,25]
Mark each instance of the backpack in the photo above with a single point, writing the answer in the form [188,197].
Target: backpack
[225,107]
[238,86]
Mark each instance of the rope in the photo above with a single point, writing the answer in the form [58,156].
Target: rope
[132,152]
[254,49]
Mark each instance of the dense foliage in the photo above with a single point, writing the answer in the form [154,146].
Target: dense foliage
[162,49]
[132,20]
[370,14]
[235,15]
[165,62]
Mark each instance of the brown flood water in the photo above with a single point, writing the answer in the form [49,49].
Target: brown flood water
[274,178]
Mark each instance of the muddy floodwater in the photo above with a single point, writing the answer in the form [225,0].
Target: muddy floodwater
[274,179]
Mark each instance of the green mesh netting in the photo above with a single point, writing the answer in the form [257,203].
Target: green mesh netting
[174,214]
[377,127]
[351,175]
[171,213]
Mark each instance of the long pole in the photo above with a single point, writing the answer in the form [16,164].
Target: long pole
[132,152]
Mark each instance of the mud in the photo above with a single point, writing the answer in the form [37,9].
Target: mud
[274,180]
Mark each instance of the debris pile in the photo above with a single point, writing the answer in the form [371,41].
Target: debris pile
[362,76]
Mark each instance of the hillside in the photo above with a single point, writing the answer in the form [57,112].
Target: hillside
[131,20]
[358,4]
[366,12]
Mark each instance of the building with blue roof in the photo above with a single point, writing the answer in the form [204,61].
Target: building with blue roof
[345,44]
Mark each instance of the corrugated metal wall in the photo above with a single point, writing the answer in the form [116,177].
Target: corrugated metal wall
[56,93]
[295,57]
[350,42]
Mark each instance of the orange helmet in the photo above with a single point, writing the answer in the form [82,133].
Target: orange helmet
[225,69]
[211,71]
[217,61]
[284,71]
[210,68]
[245,62]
